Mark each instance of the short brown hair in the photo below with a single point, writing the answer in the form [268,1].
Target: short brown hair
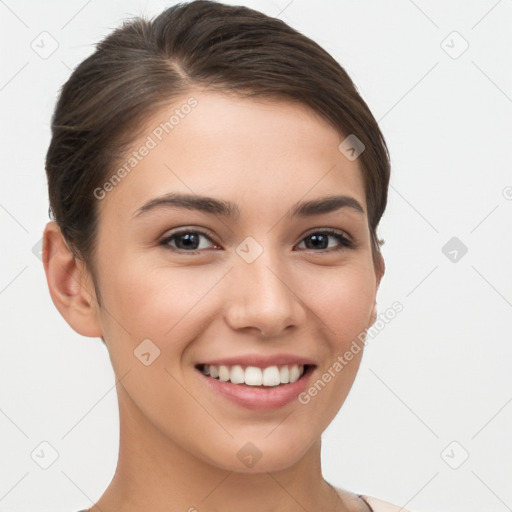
[145,64]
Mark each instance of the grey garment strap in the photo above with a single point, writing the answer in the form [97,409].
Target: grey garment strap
[360,496]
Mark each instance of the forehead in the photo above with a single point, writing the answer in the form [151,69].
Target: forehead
[258,152]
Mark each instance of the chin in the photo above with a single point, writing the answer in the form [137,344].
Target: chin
[260,455]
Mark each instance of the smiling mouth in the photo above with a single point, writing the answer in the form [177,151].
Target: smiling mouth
[254,376]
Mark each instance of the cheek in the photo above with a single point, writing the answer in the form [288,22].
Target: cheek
[164,304]
[343,300]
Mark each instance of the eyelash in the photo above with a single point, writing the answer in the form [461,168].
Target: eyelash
[345,243]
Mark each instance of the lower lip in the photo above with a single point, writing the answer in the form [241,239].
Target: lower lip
[256,398]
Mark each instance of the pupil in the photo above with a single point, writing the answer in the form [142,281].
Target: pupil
[191,241]
[315,239]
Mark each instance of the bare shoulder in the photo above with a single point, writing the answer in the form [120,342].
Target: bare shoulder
[383,506]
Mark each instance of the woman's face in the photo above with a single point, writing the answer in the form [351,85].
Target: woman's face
[257,279]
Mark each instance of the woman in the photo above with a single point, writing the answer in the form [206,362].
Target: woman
[216,183]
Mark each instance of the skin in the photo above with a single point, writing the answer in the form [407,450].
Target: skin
[179,440]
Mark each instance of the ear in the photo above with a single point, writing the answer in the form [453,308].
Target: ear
[70,285]
[380,268]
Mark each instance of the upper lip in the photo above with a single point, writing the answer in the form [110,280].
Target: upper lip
[259,360]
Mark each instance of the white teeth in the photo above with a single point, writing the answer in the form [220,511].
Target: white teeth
[254,376]
[237,374]
[271,376]
[294,373]
[223,373]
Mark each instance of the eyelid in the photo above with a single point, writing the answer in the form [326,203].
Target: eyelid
[179,231]
[345,239]
[331,231]
[310,232]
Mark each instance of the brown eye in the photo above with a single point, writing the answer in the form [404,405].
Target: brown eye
[186,241]
[320,240]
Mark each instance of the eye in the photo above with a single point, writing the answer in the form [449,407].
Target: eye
[320,240]
[186,241]
[189,241]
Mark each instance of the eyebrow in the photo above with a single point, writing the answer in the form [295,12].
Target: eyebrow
[231,210]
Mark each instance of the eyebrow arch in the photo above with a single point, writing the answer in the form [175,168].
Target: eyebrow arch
[227,209]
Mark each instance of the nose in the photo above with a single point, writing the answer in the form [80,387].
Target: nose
[263,297]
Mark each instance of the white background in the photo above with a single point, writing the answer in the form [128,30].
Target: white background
[439,372]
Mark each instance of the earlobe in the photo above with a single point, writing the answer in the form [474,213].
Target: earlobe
[70,286]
